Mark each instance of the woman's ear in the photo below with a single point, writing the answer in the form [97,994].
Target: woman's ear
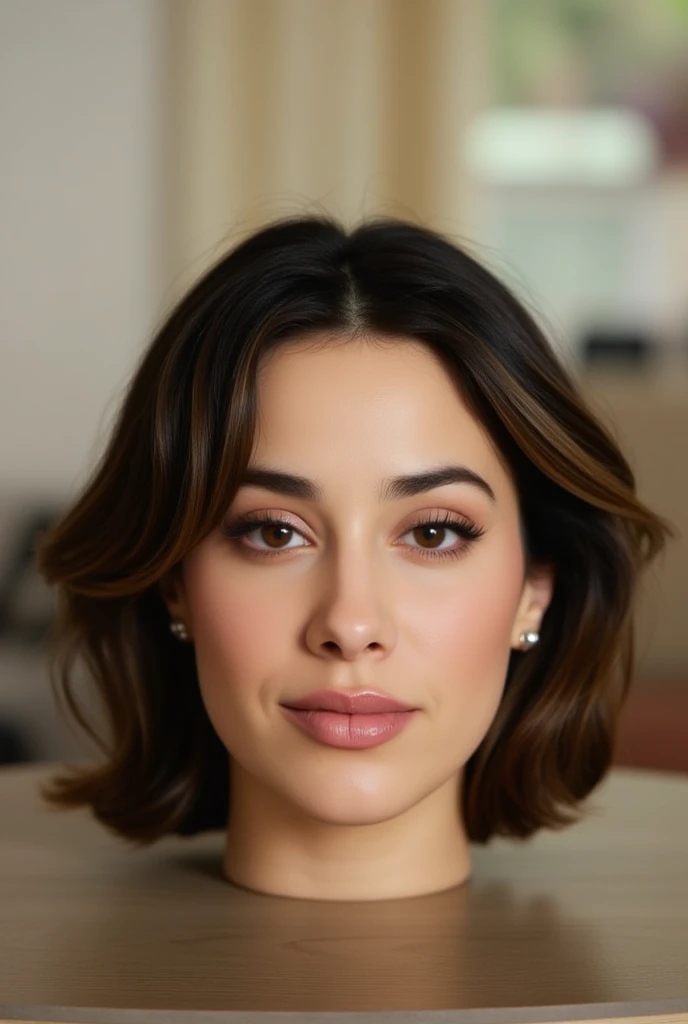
[172,591]
[537,594]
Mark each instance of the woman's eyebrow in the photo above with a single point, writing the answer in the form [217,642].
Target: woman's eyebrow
[392,488]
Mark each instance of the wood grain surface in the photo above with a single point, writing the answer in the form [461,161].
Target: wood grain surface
[588,923]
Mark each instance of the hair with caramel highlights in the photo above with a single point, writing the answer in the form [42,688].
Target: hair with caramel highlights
[177,455]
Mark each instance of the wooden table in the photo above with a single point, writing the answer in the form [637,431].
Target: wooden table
[588,923]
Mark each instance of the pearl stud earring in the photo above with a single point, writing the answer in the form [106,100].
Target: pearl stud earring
[178,629]
[528,640]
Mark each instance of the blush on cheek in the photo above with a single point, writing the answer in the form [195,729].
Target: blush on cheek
[467,637]
[230,637]
[230,642]
[474,618]
[240,631]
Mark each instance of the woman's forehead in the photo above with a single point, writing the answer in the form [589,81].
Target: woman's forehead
[368,412]
[403,379]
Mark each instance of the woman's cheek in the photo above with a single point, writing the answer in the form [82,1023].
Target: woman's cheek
[468,639]
[472,617]
[230,624]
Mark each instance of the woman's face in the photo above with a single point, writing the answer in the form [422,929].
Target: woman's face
[357,593]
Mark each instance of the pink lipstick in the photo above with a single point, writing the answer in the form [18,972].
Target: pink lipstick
[349,720]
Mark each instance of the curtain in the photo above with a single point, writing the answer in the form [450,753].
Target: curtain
[350,107]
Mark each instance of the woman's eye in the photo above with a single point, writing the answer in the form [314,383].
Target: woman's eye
[279,533]
[435,532]
[277,530]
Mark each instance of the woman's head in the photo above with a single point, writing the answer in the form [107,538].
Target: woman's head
[347,360]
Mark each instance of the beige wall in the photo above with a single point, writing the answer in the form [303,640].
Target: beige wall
[80,263]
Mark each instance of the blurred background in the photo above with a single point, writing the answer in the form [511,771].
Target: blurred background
[142,138]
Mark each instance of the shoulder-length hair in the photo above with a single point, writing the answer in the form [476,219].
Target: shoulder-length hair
[176,458]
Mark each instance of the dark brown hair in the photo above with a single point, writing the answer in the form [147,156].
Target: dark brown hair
[176,457]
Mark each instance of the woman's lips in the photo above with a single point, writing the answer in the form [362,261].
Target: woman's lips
[349,702]
[358,732]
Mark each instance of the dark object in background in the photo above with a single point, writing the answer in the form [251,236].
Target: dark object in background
[26,611]
[13,746]
[18,575]
[633,349]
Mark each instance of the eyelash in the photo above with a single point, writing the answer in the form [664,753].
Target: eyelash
[462,527]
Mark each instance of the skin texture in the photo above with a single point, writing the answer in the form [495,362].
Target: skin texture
[351,602]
